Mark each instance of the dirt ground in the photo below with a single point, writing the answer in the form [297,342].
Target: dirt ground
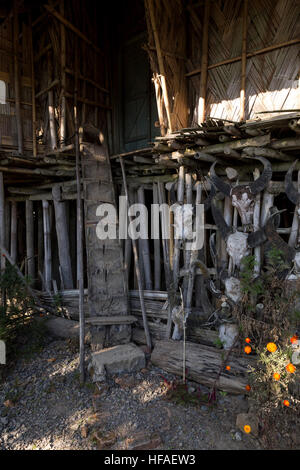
[44,406]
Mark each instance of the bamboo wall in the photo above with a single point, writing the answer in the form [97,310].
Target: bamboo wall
[229,46]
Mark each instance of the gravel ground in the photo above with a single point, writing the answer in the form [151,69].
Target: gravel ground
[43,406]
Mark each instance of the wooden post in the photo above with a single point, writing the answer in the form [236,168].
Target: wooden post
[62,238]
[204,63]
[17,77]
[2,220]
[40,240]
[193,258]
[144,243]
[13,231]
[244,62]
[187,253]
[137,268]
[30,240]
[156,243]
[160,63]
[79,225]
[47,246]
[177,244]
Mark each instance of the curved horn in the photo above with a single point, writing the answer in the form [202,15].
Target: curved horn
[208,200]
[275,239]
[259,236]
[290,189]
[258,185]
[225,230]
[225,188]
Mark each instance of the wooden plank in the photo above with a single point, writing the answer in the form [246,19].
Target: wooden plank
[113,320]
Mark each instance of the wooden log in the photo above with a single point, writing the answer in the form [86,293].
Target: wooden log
[62,238]
[47,246]
[13,232]
[30,241]
[202,365]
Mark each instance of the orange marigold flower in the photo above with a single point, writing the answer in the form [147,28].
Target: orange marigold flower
[276,376]
[294,339]
[247,428]
[248,388]
[248,340]
[291,368]
[228,367]
[247,349]
[286,403]
[271,347]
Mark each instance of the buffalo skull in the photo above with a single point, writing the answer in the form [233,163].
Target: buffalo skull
[243,196]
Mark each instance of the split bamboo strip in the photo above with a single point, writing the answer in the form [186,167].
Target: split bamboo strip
[204,63]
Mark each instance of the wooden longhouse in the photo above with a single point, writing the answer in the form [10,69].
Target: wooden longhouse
[141,99]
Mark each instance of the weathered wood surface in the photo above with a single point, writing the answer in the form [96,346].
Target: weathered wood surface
[202,364]
[112,320]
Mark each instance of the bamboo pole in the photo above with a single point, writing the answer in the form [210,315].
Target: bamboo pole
[80,266]
[30,241]
[156,243]
[62,127]
[33,103]
[160,63]
[244,62]
[137,268]
[52,126]
[204,64]
[17,77]
[256,226]
[70,26]
[2,220]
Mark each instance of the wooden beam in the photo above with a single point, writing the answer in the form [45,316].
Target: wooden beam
[75,30]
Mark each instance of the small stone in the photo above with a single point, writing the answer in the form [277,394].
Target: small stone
[84,431]
[238,436]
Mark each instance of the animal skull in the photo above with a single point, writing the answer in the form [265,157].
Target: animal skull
[243,196]
[237,247]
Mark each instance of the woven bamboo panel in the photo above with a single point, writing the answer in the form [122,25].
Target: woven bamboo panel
[271,78]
